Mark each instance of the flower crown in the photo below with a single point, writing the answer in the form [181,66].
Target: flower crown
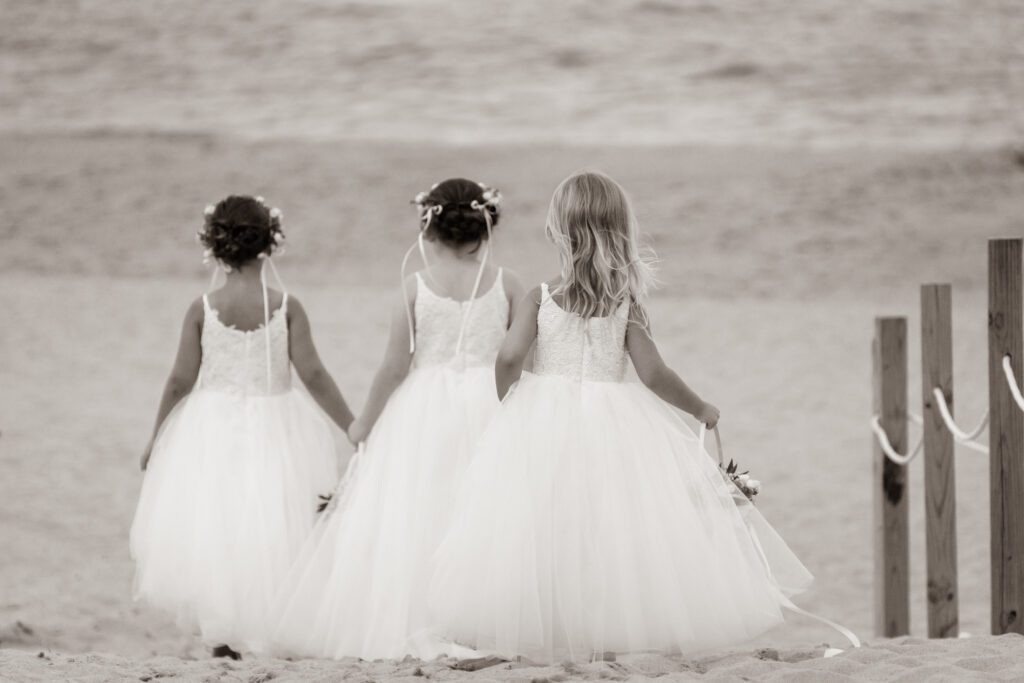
[277,240]
[490,202]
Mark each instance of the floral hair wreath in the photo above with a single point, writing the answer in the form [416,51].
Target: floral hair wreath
[277,240]
[490,203]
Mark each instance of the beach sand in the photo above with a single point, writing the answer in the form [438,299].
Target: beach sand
[992,658]
[773,265]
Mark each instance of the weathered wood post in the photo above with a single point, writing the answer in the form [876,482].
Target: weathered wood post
[1006,436]
[892,552]
[939,478]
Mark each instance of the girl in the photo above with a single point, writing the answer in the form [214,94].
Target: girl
[591,521]
[359,587]
[235,466]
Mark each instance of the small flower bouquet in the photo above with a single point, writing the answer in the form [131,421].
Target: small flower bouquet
[747,486]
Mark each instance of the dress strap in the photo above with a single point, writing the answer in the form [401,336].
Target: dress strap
[499,284]
[545,293]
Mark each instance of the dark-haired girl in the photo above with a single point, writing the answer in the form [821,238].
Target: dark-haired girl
[239,455]
[358,588]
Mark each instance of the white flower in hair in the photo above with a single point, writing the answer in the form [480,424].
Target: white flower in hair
[276,213]
[260,199]
[208,211]
[421,197]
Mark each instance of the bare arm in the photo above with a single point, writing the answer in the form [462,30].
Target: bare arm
[184,373]
[515,291]
[393,368]
[508,367]
[310,368]
[660,378]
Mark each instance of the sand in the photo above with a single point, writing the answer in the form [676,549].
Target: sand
[993,658]
[98,265]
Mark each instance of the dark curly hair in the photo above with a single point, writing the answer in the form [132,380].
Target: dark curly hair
[459,221]
[239,229]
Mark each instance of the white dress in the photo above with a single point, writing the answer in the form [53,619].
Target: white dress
[359,587]
[592,521]
[231,490]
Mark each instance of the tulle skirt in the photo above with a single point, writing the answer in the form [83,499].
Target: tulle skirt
[591,521]
[359,586]
[228,498]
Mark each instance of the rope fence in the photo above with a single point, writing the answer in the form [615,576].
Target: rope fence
[940,437]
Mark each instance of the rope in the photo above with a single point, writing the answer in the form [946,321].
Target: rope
[1012,382]
[890,452]
[966,439]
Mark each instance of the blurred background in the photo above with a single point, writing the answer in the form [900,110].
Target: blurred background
[799,167]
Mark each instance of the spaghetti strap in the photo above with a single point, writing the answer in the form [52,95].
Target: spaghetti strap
[500,282]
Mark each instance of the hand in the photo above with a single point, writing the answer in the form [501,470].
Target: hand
[357,432]
[709,415]
[144,460]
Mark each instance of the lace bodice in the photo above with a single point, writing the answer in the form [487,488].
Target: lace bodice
[439,318]
[571,346]
[235,361]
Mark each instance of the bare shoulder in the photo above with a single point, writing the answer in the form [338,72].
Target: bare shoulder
[638,314]
[512,284]
[511,279]
[536,294]
[196,312]
[409,287]
[295,307]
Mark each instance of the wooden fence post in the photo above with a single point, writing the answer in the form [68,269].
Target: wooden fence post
[1006,436]
[892,552]
[939,477]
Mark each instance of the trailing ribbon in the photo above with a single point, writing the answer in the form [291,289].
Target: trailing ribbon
[783,599]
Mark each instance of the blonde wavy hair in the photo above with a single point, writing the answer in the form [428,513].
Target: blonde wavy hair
[592,224]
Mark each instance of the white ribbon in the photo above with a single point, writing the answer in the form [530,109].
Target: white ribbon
[479,275]
[783,600]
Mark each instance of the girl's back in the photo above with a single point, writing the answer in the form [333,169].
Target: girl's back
[234,347]
[454,326]
[572,346]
